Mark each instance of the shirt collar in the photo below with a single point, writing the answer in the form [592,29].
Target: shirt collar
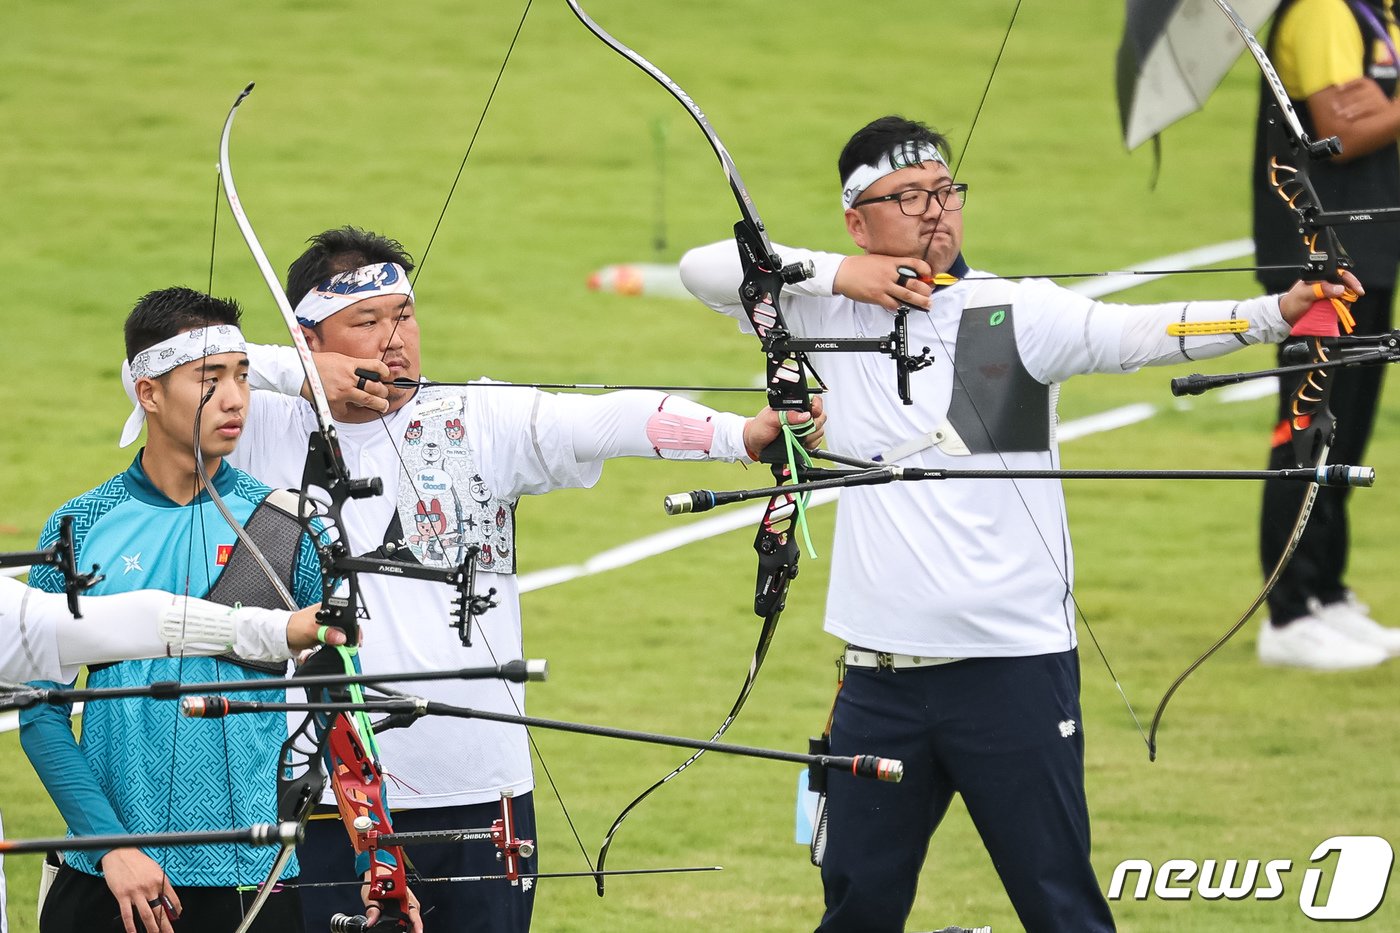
[139,484]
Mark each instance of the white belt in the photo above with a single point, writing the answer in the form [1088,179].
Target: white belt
[864,657]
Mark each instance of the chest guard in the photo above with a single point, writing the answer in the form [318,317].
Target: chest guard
[445,506]
[996,406]
[275,529]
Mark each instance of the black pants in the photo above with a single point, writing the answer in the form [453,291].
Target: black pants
[1006,734]
[1319,564]
[459,907]
[81,903]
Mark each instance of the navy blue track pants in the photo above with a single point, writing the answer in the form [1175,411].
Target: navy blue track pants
[1006,734]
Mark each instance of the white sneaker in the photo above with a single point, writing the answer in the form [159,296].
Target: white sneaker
[1313,644]
[1352,618]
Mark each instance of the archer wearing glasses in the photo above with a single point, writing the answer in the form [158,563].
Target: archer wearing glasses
[953,601]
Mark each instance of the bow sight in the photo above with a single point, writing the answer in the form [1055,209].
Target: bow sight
[63,557]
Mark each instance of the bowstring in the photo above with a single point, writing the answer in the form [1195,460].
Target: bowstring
[418,271]
[214,229]
[197,513]
[202,482]
[1020,495]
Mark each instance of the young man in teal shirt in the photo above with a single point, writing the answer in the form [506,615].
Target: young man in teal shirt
[139,767]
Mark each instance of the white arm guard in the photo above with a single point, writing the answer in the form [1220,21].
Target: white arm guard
[653,424]
[45,642]
[201,627]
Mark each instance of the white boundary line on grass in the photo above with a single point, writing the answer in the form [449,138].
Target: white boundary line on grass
[652,545]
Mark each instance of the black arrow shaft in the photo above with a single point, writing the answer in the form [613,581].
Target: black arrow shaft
[259,834]
[860,765]
[1197,383]
[702,500]
[404,383]
[23,698]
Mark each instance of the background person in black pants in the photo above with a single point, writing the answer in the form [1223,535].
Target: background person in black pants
[1338,61]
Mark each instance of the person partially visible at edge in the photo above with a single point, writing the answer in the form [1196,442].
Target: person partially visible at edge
[40,639]
[140,767]
[1338,62]
[455,462]
[954,598]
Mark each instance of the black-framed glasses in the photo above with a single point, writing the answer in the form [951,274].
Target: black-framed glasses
[914,202]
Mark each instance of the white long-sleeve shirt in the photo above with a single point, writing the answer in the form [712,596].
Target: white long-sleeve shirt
[525,442]
[961,568]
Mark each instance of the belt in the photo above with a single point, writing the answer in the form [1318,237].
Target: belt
[885,660]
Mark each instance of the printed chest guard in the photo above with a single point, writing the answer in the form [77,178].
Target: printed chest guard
[444,505]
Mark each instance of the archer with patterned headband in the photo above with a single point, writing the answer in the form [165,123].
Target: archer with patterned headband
[455,460]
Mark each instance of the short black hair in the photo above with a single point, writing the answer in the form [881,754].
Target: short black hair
[161,314]
[882,137]
[341,250]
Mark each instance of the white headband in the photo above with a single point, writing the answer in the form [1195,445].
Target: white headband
[904,155]
[185,347]
[344,289]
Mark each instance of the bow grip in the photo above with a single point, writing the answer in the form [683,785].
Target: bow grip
[1320,320]
[1325,316]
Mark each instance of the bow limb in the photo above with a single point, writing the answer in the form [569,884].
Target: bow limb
[359,793]
[765,274]
[765,638]
[757,233]
[324,449]
[313,379]
[1295,536]
[298,339]
[202,482]
[1311,423]
[302,774]
[1291,181]
[301,778]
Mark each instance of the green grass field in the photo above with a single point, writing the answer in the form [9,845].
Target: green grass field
[362,114]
